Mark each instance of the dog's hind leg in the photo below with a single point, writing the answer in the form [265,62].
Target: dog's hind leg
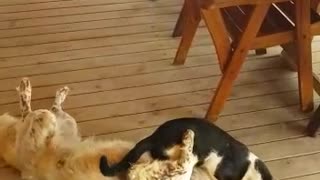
[60,97]
[67,124]
[24,92]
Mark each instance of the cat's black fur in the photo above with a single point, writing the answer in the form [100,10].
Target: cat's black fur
[208,138]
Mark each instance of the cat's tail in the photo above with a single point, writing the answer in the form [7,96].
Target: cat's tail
[261,167]
[132,157]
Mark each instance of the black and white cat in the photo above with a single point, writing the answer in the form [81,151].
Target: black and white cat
[215,150]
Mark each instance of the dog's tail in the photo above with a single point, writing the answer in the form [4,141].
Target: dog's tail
[131,158]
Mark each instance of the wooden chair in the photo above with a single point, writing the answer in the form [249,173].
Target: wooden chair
[237,26]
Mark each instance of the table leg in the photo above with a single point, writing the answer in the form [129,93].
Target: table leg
[304,54]
[236,60]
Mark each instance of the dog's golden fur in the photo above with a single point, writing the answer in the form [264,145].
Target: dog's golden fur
[45,144]
[57,160]
[8,139]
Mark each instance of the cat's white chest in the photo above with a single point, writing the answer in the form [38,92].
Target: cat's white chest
[212,161]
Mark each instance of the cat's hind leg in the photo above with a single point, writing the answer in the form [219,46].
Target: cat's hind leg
[211,164]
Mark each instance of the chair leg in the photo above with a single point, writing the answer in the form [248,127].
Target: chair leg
[304,55]
[219,35]
[181,22]
[237,59]
[188,32]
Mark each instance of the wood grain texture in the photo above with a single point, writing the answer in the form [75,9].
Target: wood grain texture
[116,58]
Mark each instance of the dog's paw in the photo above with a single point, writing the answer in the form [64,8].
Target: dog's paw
[62,93]
[24,87]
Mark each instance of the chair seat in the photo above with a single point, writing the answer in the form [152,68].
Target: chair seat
[277,27]
[209,4]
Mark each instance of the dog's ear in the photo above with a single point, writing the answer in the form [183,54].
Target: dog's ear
[263,170]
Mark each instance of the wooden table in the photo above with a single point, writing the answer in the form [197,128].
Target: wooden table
[293,26]
[304,33]
[303,44]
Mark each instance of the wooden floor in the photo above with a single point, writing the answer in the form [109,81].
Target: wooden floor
[116,56]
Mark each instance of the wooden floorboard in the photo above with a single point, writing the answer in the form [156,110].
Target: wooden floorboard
[314,176]
[56,4]
[116,57]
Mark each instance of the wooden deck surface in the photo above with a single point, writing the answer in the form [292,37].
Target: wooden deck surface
[116,56]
